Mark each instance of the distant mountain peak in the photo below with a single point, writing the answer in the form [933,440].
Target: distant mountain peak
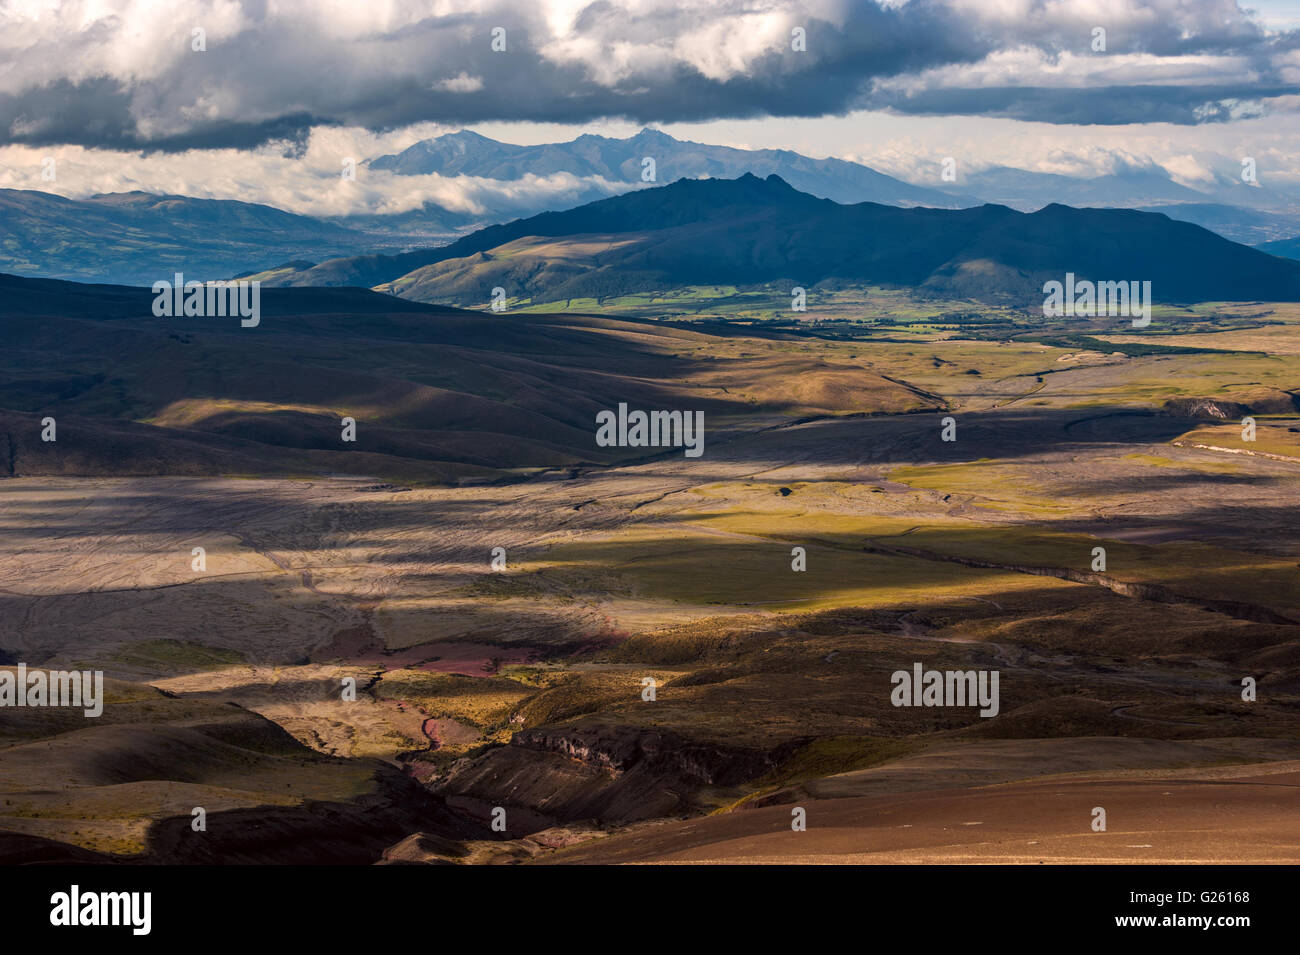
[771,183]
[465,135]
[602,160]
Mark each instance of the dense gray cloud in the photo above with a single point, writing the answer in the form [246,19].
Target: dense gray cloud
[129,78]
[1114,105]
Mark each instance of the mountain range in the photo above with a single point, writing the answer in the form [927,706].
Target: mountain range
[467,153]
[1248,214]
[136,237]
[750,231]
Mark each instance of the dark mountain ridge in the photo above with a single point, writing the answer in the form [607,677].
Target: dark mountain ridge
[753,231]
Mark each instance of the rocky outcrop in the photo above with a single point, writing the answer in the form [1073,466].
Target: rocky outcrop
[619,749]
[1215,408]
[596,771]
[423,848]
[1257,401]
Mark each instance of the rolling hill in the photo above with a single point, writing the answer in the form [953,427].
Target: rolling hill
[439,395]
[137,238]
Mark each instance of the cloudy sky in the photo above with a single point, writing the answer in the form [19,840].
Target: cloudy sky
[118,94]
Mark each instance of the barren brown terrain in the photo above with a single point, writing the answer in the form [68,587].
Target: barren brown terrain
[1223,815]
[522,687]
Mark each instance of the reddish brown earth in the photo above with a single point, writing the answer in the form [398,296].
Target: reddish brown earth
[1246,814]
[358,646]
[444,732]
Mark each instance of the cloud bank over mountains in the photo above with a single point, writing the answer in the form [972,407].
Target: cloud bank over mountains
[125,75]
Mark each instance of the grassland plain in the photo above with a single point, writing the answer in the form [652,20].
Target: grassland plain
[523,688]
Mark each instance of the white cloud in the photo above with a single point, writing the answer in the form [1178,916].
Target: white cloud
[309,184]
[122,72]
[460,83]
